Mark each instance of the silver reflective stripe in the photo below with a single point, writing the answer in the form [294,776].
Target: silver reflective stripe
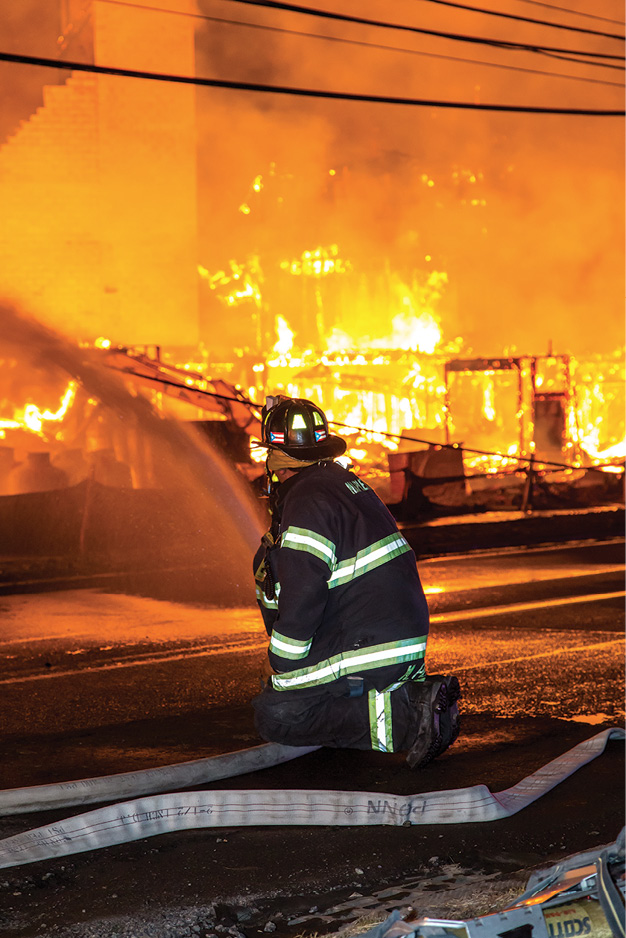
[381,731]
[311,543]
[268,603]
[289,647]
[367,559]
[350,662]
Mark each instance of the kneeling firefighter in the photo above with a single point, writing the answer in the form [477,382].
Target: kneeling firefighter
[343,604]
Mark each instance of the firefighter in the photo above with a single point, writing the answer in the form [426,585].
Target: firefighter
[343,606]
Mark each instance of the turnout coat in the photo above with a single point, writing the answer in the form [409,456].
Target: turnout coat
[339,589]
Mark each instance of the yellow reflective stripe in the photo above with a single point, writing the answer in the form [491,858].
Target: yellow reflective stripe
[381,730]
[262,598]
[289,647]
[351,662]
[368,559]
[311,543]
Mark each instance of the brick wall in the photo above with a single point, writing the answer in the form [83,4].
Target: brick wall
[98,191]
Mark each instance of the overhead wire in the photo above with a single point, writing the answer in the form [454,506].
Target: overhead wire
[450,3]
[457,37]
[591,16]
[531,460]
[370,45]
[433,55]
[45,62]
[570,58]
[525,19]
[249,86]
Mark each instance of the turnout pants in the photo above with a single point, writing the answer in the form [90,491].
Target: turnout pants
[356,718]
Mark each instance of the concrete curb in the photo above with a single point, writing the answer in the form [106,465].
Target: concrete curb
[494,530]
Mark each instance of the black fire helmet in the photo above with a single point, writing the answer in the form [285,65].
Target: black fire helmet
[299,428]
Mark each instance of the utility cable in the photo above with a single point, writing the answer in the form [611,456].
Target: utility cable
[203,16]
[570,58]
[299,92]
[368,45]
[590,16]
[525,19]
[449,3]
[531,460]
[429,55]
[457,37]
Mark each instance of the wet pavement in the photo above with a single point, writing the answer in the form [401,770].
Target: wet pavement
[303,881]
[96,682]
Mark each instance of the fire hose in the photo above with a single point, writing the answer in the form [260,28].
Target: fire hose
[159,814]
[147,781]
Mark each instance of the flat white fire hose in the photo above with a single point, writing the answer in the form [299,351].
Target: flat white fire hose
[160,814]
[147,781]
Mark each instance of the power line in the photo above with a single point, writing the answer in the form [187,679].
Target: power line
[591,16]
[570,58]
[458,37]
[531,460]
[370,45]
[525,19]
[460,6]
[430,55]
[300,92]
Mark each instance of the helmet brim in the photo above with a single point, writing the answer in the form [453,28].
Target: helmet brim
[329,448]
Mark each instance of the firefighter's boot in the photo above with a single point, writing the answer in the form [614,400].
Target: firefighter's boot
[435,702]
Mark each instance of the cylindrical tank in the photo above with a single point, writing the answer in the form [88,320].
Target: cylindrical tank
[36,474]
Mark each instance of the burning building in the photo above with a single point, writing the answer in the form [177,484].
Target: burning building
[396,272]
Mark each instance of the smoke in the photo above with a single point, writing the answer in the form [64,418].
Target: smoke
[533,246]
[210,520]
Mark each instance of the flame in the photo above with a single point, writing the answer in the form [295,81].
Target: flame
[34,420]
[491,409]
[595,420]
[320,262]
[387,374]
[618,451]
[383,383]
[419,334]
[285,336]
[415,326]
[488,401]
[240,284]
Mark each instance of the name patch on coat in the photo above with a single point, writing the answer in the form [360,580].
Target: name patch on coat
[356,486]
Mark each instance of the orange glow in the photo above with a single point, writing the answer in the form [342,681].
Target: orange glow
[238,285]
[34,420]
[317,263]
[285,336]
[596,422]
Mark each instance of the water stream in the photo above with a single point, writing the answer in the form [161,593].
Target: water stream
[188,516]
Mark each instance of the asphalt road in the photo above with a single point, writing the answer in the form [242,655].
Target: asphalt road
[94,683]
